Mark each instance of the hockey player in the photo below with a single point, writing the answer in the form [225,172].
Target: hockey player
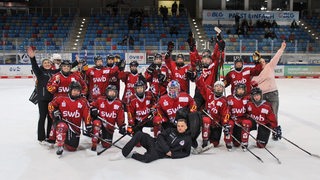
[56,61]
[208,66]
[106,111]
[215,105]
[175,105]
[242,74]
[129,79]
[112,66]
[67,113]
[98,78]
[261,112]
[156,74]
[172,143]
[179,71]
[239,123]
[58,84]
[141,108]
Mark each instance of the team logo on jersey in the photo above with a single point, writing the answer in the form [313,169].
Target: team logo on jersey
[147,102]
[106,71]
[79,105]
[96,90]
[116,107]
[63,104]
[137,105]
[244,101]
[246,72]
[183,99]
[91,73]
[165,103]
[102,105]
[264,111]
[181,142]
[219,103]
[233,76]
[73,79]
[249,108]
[230,103]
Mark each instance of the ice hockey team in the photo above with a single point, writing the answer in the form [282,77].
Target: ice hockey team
[79,99]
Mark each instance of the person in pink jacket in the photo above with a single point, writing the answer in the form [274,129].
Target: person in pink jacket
[266,79]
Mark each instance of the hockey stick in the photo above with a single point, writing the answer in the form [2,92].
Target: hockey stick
[150,116]
[234,137]
[101,139]
[314,155]
[257,140]
[105,121]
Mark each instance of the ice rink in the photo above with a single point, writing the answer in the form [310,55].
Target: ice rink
[22,157]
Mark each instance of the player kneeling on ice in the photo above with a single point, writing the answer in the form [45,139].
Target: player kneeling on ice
[216,106]
[67,113]
[141,108]
[172,143]
[240,124]
[105,112]
[261,112]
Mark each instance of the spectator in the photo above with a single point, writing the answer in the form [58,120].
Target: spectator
[292,37]
[174,8]
[174,30]
[237,20]
[274,24]
[181,9]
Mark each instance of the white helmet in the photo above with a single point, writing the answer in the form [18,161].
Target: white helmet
[56,56]
[220,83]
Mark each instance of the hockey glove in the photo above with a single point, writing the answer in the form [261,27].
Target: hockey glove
[88,130]
[122,64]
[122,129]
[191,75]
[162,78]
[204,143]
[167,55]
[57,115]
[226,129]
[221,45]
[94,112]
[278,134]
[170,46]
[151,68]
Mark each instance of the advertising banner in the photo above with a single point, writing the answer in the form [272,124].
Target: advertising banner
[214,15]
[140,57]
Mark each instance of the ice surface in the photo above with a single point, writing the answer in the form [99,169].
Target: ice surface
[22,157]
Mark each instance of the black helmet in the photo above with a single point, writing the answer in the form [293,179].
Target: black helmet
[238,86]
[254,91]
[139,83]
[111,88]
[134,63]
[96,58]
[65,62]
[110,56]
[238,59]
[206,52]
[159,56]
[180,56]
[74,85]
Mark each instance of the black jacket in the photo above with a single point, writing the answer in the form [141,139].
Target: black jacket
[171,140]
[43,76]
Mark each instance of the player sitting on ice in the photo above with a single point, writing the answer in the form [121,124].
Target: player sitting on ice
[105,112]
[216,105]
[168,107]
[261,112]
[141,108]
[239,124]
[171,143]
[67,113]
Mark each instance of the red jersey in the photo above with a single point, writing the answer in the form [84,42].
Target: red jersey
[61,87]
[139,108]
[179,74]
[114,78]
[112,112]
[71,110]
[98,80]
[217,107]
[262,113]
[129,80]
[244,76]
[167,107]
[158,89]
[237,107]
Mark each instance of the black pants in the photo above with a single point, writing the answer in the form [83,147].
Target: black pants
[200,101]
[147,142]
[43,132]
[263,135]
